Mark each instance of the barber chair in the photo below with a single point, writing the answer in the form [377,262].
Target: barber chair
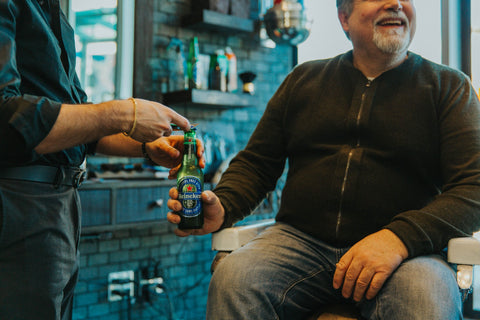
[465,252]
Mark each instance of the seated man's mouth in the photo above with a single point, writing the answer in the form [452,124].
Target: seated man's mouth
[391,23]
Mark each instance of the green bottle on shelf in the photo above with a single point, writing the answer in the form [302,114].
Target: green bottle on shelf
[193,64]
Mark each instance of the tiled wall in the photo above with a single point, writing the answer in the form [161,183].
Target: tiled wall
[184,263]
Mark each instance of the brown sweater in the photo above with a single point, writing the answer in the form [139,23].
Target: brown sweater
[400,152]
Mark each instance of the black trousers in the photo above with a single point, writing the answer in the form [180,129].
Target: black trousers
[39,237]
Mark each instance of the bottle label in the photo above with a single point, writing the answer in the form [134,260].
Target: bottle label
[189,195]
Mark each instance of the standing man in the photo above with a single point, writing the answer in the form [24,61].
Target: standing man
[46,130]
[383,149]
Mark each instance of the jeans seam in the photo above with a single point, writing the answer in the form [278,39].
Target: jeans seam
[311,275]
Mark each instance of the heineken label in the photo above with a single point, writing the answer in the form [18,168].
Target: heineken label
[189,140]
[189,194]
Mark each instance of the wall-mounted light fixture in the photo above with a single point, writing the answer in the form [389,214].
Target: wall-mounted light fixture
[286,22]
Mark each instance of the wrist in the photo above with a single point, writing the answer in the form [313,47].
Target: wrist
[145,154]
[400,245]
[116,116]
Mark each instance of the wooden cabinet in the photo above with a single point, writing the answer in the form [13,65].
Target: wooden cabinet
[114,204]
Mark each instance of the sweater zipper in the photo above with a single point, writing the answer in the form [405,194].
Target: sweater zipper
[349,159]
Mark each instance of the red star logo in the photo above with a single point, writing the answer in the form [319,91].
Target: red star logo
[189,188]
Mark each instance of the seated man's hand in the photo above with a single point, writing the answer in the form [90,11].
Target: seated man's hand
[213,213]
[364,268]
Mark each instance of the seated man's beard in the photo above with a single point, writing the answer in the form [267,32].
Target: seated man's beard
[395,41]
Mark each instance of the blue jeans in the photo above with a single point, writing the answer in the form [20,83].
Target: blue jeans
[39,237]
[287,274]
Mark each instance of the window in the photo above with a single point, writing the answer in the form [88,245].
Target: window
[104,32]
[327,38]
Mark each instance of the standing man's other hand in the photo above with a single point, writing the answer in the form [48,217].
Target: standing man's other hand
[168,152]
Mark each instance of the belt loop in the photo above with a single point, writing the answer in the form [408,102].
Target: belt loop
[59,177]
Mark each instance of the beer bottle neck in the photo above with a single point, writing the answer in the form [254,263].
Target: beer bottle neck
[190,154]
[190,148]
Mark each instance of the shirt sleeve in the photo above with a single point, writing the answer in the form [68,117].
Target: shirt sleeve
[455,212]
[24,120]
[255,170]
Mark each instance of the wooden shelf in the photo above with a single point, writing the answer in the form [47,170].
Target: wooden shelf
[216,21]
[209,99]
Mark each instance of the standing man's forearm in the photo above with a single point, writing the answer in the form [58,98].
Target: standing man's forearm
[80,124]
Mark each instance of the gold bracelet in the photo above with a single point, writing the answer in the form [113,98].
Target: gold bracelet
[129,134]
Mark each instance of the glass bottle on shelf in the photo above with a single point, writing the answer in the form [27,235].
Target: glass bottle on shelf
[193,64]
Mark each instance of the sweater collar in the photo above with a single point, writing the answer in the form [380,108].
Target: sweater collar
[407,65]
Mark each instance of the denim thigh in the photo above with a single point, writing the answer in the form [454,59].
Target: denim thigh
[39,236]
[282,274]
[421,288]
[286,274]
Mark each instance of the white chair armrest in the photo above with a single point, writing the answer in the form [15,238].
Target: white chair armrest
[464,250]
[233,238]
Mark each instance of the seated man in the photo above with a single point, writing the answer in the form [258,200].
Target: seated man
[383,149]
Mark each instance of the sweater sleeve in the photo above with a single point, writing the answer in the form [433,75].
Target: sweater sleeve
[254,171]
[455,212]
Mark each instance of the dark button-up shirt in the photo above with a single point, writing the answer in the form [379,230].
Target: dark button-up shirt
[37,75]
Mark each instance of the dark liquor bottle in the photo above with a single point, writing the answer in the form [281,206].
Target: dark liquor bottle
[190,185]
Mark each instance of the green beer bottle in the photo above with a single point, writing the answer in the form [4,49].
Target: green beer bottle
[190,185]
[193,65]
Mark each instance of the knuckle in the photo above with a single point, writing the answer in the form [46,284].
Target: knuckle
[377,283]
[172,192]
[341,266]
[376,286]
[350,276]
[361,284]
[171,204]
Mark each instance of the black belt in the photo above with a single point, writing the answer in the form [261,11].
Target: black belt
[45,174]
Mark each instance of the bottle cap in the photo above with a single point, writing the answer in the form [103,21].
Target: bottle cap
[177,128]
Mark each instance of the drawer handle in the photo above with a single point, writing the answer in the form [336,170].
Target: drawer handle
[155,204]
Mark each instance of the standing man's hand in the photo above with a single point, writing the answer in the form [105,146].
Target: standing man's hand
[364,268]
[154,121]
[213,213]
